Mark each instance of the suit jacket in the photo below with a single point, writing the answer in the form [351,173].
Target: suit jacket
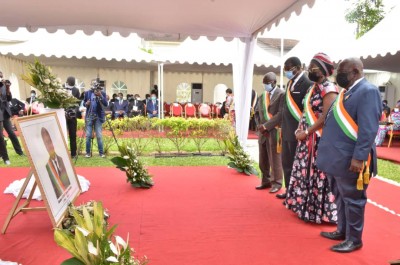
[95,107]
[298,92]
[16,106]
[121,106]
[140,108]
[28,100]
[151,107]
[275,108]
[335,149]
[58,176]
[5,111]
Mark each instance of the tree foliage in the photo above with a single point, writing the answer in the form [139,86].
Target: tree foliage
[366,13]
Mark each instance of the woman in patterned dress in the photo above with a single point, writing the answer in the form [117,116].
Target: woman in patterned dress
[394,117]
[309,194]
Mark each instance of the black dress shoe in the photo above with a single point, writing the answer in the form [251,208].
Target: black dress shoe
[281,196]
[263,186]
[274,189]
[346,246]
[335,235]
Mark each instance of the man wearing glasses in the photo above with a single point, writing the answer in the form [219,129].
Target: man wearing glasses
[292,111]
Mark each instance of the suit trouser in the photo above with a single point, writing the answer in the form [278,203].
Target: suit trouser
[288,154]
[11,134]
[275,160]
[350,205]
[3,148]
[72,127]
[264,163]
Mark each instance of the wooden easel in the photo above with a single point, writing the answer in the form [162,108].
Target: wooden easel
[25,206]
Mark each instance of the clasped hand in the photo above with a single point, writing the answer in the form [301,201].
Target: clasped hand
[300,135]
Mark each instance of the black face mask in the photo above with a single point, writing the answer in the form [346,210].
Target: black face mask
[342,80]
[313,76]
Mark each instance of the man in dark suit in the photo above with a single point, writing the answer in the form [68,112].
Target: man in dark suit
[297,88]
[120,106]
[152,106]
[136,107]
[5,98]
[269,117]
[71,114]
[17,107]
[346,151]
[55,166]
[32,98]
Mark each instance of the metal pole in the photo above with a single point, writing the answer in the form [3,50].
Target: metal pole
[281,74]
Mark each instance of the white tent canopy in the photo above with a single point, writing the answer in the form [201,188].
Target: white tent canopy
[160,19]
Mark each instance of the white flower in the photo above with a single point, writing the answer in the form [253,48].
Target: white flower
[113,248]
[83,231]
[46,81]
[134,174]
[121,241]
[112,259]
[125,157]
[135,161]
[58,80]
[92,249]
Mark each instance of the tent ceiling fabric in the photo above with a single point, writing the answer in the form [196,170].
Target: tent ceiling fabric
[169,19]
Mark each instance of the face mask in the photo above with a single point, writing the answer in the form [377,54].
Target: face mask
[33,95]
[138,98]
[289,74]
[153,98]
[342,80]
[396,109]
[313,77]
[268,87]
[119,98]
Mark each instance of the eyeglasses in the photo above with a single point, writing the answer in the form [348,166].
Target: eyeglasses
[312,70]
[291,69]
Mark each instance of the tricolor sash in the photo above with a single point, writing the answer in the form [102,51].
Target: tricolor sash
[350,129]
[291,104]
[265,98]
[342,117]
[311,118]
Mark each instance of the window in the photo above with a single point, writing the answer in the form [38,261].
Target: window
[119,87]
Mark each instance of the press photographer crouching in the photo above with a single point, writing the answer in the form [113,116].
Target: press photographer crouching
[70,115]
[95,101]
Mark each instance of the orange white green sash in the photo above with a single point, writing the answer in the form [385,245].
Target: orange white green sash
[311,118]
[265,99]
[291,104]
[342,117]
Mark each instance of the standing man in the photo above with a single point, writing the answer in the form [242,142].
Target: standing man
[297,88]
[269,117]
[136,107]
[152,106]
[70,115]
[95,100]
[5,98]
[347,153]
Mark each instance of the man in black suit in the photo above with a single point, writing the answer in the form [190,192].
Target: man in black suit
[32,98]
[297,88]
[136,107]
[70,114]
[5,98]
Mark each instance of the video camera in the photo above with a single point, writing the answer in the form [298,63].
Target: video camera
[96,85]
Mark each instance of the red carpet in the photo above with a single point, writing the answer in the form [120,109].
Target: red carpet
[202,216]
[252,135]
[392,153]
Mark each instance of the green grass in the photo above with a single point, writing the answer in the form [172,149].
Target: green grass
[389,170]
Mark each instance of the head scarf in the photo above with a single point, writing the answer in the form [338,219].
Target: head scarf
[324,62]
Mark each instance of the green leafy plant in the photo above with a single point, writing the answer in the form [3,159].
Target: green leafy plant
[134,169]
[52,94]
[221,130]
[139,129]
[176,131]
[199,130]
[93,241]
[238,158]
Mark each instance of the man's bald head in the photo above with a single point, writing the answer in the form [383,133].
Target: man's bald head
[349,71]
[271,76]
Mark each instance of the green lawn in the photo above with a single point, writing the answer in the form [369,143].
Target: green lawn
[386,169]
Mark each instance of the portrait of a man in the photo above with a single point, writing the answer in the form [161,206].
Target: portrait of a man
[55,166]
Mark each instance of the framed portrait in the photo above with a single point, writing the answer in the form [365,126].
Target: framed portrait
[50,161]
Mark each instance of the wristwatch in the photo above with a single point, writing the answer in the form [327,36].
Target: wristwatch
[306,131]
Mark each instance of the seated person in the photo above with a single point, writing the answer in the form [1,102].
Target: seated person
[120,108]
[136,107]
[394,117]
[32,98]
[152,106]
[109,109]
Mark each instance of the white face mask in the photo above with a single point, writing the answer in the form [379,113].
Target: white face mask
[396,109]
[268,87]
[33,95]
[137,98]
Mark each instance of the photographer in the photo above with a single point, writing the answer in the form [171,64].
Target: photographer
[5,121]
[70,115]
[95,101]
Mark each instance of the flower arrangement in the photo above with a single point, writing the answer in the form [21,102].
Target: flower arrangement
[93,242]
[52,94]
[238,158]
[135,172]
